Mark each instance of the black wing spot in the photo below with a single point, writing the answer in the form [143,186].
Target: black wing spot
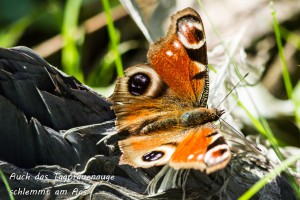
[217,142]
[138,84]
[198,34]
[223,151]
[153,156]
[212,134]
[200,75]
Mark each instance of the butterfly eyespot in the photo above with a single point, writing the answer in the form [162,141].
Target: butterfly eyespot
[153,156]
[190,32]
[138,84]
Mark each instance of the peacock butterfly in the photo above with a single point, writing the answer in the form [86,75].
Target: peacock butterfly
[161,107]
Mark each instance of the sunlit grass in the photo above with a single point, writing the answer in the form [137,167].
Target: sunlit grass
[70,52]
[264,128]
[11,197]
[285,72]
[261,125]
[114,38]
[73,37]
[294,40]
[259,122]
[290,37]
[275,172]
[102,74]
[296,100]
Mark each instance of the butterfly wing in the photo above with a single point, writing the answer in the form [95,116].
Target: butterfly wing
[141,98]
[149,150]
[180,59]
[203,148]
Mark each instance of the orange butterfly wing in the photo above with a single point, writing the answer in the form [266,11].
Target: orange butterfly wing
[203,148]
[180,59]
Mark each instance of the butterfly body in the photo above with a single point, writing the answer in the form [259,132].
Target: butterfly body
[161,106]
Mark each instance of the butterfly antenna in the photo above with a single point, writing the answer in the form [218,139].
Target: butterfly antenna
[252,144]
[233,89]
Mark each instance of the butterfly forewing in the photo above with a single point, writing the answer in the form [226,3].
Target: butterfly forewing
[180,59]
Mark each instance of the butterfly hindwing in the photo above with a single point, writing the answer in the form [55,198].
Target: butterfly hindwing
[203,148]
[149,150]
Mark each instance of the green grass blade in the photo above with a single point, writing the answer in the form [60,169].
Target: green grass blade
[296,100]
[277,170]
[260,123]
[294,39]
[113,37]
[290,37]
[70,53]
[211,67]
[102,74]
[11,197]
[263,127]
[285,72]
